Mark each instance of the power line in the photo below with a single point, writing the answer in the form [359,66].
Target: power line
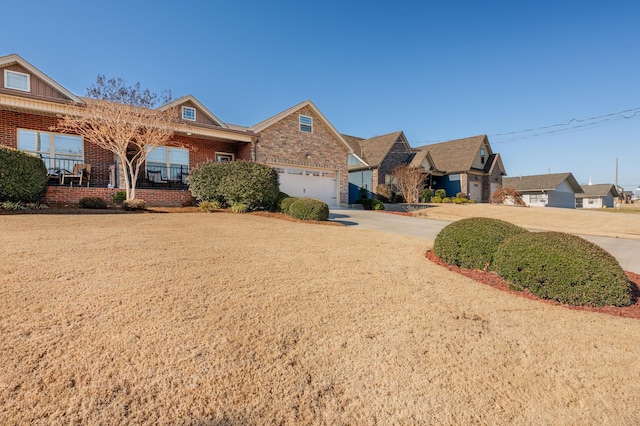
[600,120]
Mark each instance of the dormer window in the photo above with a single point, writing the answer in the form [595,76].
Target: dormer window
[306,124]
[17,81]
[188,113]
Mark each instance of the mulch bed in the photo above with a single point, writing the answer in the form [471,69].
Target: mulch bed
[492,279]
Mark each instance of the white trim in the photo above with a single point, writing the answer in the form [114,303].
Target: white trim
[308,123]
[16,59]
[184,115]
[6,80]
[229,155]
[198,104]
[272,120]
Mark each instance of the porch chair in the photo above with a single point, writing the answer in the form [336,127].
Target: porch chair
[81,172]
[155,177]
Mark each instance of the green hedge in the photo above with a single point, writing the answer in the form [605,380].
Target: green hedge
[229,183]
[371,204]
[472,243]
[286,203]
[309,209]
[563,267]
[23,177]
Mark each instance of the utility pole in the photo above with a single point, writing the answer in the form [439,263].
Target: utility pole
[617,174]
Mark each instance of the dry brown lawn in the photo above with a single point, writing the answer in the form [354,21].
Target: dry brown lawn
[607,223]
[222,319]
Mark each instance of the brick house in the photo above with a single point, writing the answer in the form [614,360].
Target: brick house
[374,159]
[466,165]
[30,102]
[308,153]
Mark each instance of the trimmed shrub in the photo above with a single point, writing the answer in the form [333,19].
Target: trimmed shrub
[459,200]
[426,195]
[436,199]
[23,177]
[92,203]
[286,203]
[472,243]
[119,197]
[377,205]
[309,209]
[132,205]
[253,184]
[239,208]
[208,206]
[563,267]
[446,200]
[278,201]
[441,193]
[461,195]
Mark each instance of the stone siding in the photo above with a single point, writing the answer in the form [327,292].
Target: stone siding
[284,143]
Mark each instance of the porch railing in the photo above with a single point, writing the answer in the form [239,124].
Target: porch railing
[105,174]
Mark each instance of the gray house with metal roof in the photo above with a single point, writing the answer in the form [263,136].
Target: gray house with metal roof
[549,190]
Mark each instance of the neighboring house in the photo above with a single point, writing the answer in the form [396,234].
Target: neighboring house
[466,165]
[308,153]
[597,196]
[30,102]
[373,160]
[549,190]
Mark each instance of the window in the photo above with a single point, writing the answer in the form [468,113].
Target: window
[222,157]
[188,113]
[306,124]
[172,162]
[17,80]
[482,153]
[58,151]
[537,198]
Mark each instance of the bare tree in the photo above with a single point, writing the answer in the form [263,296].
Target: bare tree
[121,121]
[116,90]
[508,194]
[409,181]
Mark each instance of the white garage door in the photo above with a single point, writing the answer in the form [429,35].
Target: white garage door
[321,184]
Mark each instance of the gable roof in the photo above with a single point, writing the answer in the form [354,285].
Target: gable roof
[599,190]
[456,155]
[493,161]
[257,128]
[548,182]
[17,59]
[354,143]
[193,100]
[374,150]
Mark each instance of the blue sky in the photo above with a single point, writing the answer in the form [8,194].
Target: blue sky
[436,70]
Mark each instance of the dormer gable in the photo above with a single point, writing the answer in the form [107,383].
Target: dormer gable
[482,155]
[192,111]
[18,77]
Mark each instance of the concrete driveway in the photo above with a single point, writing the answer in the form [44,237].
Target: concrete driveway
[627,252]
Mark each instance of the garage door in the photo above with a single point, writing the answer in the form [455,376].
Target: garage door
[321,184]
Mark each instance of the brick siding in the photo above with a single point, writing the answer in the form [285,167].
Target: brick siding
[153,197]
[284,143]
